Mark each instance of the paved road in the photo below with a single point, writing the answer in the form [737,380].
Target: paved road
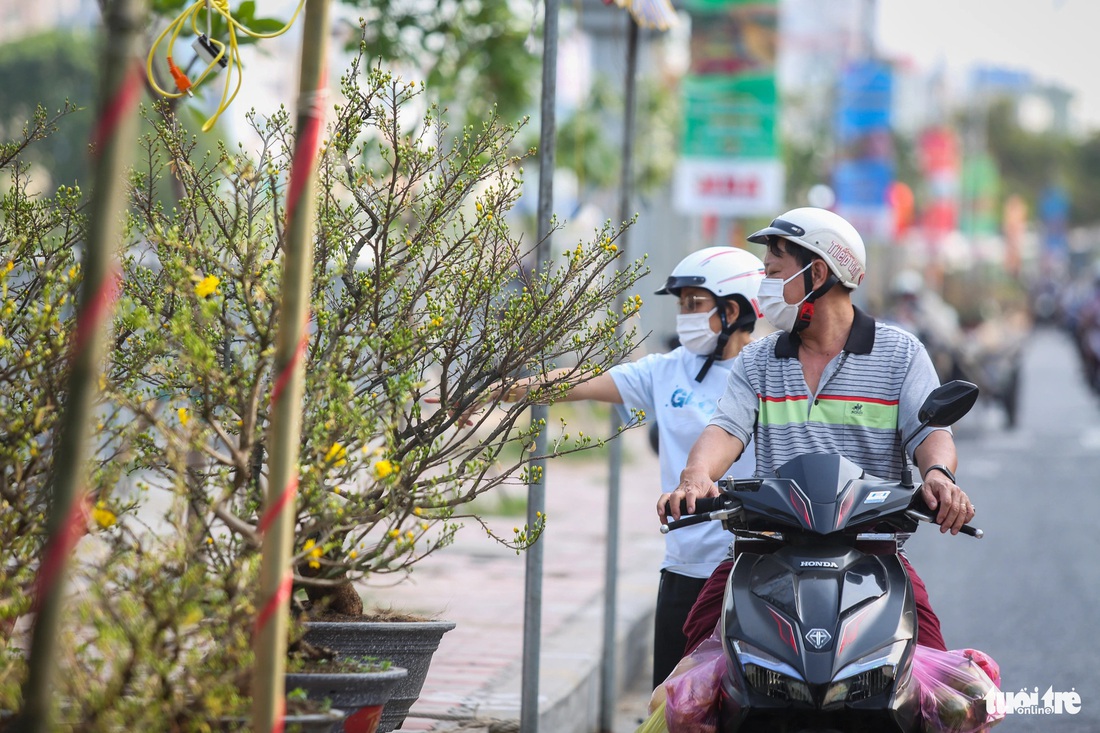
[1029,592]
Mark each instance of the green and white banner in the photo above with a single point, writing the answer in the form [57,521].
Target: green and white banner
[730,162]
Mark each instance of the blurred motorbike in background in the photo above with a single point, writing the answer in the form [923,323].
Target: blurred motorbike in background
[986,352]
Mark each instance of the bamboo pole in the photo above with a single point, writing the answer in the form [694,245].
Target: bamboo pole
[277,523]
[112,150]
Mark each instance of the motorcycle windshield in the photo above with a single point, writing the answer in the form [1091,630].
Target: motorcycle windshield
[821,493]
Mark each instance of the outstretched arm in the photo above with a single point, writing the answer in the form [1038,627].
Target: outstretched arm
[599,388]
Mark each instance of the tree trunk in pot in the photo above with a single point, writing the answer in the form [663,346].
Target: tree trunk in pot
[342,599]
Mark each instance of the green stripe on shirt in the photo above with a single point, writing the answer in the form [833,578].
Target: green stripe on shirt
[830,410]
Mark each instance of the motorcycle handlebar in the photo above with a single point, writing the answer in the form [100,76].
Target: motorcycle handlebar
[704,507]
[920,511]
[965,529]
[687,521]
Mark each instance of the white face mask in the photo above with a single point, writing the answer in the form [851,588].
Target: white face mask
[774,306]
[695,334]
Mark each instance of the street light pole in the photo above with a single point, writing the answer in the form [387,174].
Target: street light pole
[536,488]
[608,691]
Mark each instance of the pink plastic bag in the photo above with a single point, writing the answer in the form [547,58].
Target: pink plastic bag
[691,691]
[958,690]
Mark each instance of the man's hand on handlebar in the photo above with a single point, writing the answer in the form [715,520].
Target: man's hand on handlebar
[693,485]
[951,505]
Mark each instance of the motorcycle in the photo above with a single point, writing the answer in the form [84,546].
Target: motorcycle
[818,626]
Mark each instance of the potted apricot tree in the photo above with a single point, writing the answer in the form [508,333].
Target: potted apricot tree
[421,289]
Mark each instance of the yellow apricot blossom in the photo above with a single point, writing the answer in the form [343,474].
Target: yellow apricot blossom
[337,455]
[207,286]
[103,516]
[384,468]
[314,551]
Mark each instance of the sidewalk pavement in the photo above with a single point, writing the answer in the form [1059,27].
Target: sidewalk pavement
[477,671]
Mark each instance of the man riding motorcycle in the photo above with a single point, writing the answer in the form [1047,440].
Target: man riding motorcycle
[831,380]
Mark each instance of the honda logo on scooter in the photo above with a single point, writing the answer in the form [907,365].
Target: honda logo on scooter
[818,564]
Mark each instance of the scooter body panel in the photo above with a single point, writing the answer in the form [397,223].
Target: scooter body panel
[808,613]
[819,631]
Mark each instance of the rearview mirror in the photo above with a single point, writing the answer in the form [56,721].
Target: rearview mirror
[947,403]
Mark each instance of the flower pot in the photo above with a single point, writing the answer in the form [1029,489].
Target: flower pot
[408,644]
[325,722]
[360,694]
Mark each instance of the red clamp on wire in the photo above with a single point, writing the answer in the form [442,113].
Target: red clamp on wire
[182,82]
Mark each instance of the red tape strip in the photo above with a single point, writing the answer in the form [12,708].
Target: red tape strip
[272,512]
[126,96]
[282,595]
[305,155]
[95,311]
[288,370]
[59,547]
[279,724]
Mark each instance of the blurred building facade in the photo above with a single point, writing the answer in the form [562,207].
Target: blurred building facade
[19,18]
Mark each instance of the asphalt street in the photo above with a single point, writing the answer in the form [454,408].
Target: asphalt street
[1028,593]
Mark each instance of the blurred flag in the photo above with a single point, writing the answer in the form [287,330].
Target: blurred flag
[653,14]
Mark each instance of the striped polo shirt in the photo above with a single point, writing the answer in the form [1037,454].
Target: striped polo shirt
[867,399]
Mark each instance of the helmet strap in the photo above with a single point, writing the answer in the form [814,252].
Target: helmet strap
[806,312]
[723,339]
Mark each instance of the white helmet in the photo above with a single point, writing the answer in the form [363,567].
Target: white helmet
[724,271]
[727,272]
[826,234]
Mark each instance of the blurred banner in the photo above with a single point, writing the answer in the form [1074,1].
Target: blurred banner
[730,164]
[981,188]
[940,164]
[865,163]
[1054,223]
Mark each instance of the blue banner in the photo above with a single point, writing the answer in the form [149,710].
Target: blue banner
[864,99]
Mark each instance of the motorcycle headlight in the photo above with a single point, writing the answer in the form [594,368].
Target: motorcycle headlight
[770,676]
[867,676]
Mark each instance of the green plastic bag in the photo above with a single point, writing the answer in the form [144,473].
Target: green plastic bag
[655,723]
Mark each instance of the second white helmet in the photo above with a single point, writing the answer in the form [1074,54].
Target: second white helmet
[724,271]
[826,234]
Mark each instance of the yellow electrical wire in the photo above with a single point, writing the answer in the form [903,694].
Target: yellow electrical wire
[183,83]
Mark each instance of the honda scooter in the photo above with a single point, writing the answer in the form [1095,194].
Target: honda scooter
[819,618]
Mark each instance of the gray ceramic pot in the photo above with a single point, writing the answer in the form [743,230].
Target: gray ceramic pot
[356,693]
[408,644]
[306,723]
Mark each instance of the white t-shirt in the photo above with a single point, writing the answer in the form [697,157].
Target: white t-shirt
[664,386]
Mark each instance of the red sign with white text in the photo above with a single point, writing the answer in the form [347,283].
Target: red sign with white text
[730,187]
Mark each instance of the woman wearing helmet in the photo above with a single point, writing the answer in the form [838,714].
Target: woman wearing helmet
[831,380]
[716,288]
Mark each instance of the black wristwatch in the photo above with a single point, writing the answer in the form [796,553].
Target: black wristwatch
[946,471]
